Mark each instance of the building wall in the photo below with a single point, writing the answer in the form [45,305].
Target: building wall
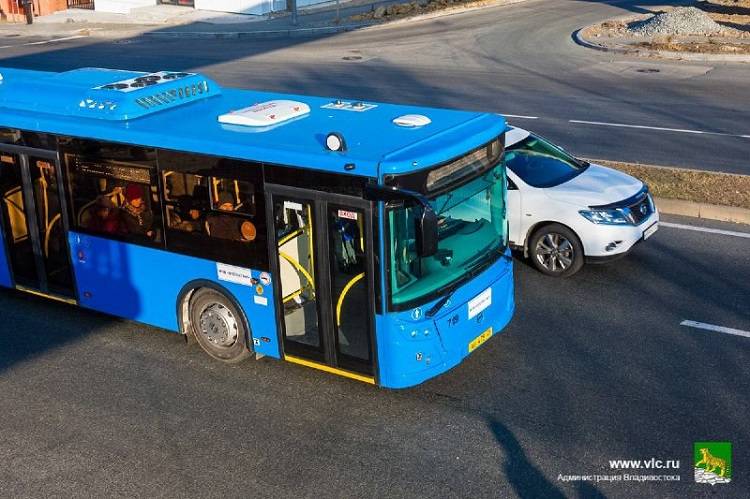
[10,11]
[241,6]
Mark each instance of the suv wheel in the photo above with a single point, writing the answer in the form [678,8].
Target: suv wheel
[556,251]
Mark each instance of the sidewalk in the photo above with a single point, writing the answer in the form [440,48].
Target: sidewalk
[171,21]
[175,21]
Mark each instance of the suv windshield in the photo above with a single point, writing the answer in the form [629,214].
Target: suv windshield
[542,164]
[471,233]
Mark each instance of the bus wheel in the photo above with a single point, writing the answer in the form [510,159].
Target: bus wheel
[218,327]
[556,251]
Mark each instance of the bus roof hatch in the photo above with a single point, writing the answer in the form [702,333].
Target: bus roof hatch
[266,114]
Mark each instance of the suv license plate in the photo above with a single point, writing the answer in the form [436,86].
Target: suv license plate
[650,231]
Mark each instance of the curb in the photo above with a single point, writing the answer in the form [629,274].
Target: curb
[442,13]
[666,54]
[324,30]
[262,34]
[703,210]
[298,32]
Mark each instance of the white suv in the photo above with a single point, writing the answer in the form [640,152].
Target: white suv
[562,210]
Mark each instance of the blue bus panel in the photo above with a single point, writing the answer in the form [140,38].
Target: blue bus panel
[413,347]
[5,279]
[144,284]
[82,103]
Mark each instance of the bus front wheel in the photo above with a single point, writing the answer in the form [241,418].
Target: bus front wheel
[218,326]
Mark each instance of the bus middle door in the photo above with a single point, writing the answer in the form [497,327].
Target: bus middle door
[324,264]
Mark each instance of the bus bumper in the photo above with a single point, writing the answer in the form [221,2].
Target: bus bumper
[413,348]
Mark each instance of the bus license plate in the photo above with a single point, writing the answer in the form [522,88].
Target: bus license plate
[650,231]
[480,339]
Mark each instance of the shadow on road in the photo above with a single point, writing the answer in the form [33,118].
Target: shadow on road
[34,326]
[526,479]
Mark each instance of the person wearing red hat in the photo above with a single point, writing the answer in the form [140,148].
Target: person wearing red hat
[137,219]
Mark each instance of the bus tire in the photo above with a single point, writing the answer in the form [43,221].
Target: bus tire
[556,251]
[218,326]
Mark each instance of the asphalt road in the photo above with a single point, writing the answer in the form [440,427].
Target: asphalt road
[517,60]
[591,368]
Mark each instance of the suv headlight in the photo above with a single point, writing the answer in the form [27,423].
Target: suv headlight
[614,216]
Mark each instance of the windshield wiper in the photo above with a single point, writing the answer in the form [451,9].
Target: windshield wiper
[471,273]
[440,303]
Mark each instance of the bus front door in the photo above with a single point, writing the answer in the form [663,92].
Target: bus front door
[31,219]
[324,266]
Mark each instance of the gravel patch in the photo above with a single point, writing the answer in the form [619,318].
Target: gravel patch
[679,21]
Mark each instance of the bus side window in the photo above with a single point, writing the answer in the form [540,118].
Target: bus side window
[215,208]
[233,210]
[239,192]
[113,191]
[186,201]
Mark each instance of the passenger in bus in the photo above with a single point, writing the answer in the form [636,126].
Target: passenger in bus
[105,219]
[137,218]
[188,215]
[228,227]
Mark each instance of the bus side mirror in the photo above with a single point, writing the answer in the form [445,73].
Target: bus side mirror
[426,231]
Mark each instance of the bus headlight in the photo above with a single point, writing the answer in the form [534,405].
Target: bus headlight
[614,216]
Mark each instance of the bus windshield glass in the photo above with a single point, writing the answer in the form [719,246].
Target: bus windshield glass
[471,234]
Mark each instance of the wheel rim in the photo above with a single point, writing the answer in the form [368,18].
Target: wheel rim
[554,252]
[219,326]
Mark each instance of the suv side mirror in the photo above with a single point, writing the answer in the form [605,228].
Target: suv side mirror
[426,231]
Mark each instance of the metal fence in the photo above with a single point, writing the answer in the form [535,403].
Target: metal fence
[81,4]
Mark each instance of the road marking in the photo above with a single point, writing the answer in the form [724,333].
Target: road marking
[718,329]
[43,42]
[706,229]
[659,128]
[521,116]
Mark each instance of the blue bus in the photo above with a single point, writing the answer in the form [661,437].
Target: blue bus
[364,239]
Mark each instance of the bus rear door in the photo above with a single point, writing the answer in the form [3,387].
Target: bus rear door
[32,222]
[324,263]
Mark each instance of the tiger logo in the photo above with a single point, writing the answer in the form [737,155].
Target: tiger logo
[710,462]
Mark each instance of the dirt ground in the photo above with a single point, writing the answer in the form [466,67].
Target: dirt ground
[690,185]
[733,15]
[414,7]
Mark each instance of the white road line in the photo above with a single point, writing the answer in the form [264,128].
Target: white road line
[44,42]
[520,116]
[706,229]
[718,329]
[659,128]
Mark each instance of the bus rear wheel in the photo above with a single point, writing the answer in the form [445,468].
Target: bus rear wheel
[218,326]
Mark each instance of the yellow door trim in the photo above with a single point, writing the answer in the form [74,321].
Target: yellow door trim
[69,301]
[329,369]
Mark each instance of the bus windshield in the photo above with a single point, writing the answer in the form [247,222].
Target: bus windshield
[471,233]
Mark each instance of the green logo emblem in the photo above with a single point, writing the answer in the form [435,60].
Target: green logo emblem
[713,462]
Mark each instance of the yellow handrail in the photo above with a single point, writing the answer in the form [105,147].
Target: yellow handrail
[299,267]
[346,289]
[48,233]
[310,239]
[289,237]
[291,296]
